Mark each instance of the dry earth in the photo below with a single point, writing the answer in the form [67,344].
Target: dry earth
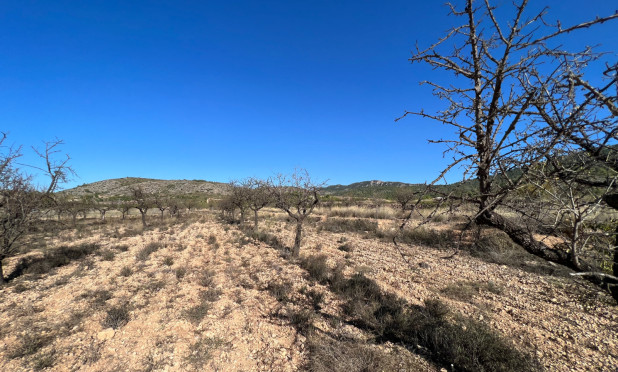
[202,300]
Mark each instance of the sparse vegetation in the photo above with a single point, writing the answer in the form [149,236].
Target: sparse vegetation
[149,249]
[349,225]
[117,317]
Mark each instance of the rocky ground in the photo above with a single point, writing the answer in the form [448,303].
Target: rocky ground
[202,295]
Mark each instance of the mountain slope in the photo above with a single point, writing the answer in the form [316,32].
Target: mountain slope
[120,187]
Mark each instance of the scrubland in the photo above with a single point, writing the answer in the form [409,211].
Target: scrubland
[198,293]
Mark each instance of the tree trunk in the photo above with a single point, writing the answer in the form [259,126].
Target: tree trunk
[102,215]
[143,218]
[613,289]
[2,280]
[297,239]
[255,220]
[524,238]
[612,201]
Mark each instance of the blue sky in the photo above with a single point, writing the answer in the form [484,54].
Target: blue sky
[220,90]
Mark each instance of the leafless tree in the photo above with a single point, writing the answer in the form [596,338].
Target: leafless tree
[161,202]
[228,209]
[297,195]
[142,201]
[102,206]
[175,205]
[404,196]
[123,206]
[21,203]
[258,197]
[239,197]
[510,103]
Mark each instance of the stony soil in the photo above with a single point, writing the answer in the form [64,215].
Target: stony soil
[58,322]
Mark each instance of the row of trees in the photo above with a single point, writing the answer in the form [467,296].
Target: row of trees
[535,125]
[296,194]
[139,199]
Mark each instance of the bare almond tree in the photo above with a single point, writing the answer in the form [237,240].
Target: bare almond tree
[102,206]
[161,202]
[509,106]
[239,197]
[258,198]
[21,203]
[297,195]
[404,196]
[142,201]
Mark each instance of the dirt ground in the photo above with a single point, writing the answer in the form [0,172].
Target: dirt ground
[198,295]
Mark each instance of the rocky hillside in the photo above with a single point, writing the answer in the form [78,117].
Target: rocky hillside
[120,187]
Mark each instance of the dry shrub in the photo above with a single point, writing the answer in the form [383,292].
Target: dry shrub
[362,212]
[30,343]
[149,249]
[280,291]
[467,344]
[317,267]
[52,259]
[329,355]
[427,237]
[340,225]
[117,317]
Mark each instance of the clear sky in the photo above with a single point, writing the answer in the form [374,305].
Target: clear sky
[219,90]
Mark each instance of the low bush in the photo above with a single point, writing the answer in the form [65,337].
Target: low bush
[464,343]
[149,249]
[30,343]
[108,255]
[270,239]
[117,317]
[332,355]
[340,225]
[280,291]
[196,313]
[52,259]
[317,267]
[427,237]
[346,247]
[362,212]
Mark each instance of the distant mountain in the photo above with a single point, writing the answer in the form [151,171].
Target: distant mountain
[387,189]
[121,187]
[369,189]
